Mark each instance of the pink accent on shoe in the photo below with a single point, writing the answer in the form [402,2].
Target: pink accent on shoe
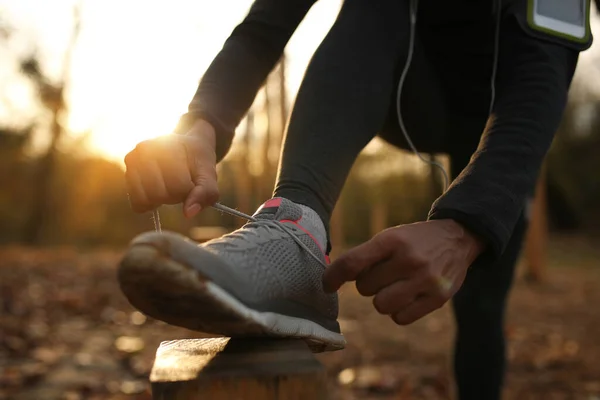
[327,260]
[272,203]
[305,231]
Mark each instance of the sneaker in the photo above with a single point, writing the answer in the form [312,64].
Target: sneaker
[264,279]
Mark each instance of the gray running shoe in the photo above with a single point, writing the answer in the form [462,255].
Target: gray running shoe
[263,279]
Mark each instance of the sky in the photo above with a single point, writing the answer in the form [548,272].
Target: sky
[137,63]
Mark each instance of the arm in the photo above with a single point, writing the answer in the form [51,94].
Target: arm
[532,86]
[231,82]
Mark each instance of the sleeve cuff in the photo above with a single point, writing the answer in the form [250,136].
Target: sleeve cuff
[494,246]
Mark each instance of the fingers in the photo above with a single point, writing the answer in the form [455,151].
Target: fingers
[396,290]
[201,163]
[157,173]
[144,181]
[395,297]
[411,299]
[205,193]
[176,177]
[347,267]
[371,280]
[153,182]
[137,195]
[417,309]
[411,270]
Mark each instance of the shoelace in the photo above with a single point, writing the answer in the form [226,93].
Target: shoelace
[273,223]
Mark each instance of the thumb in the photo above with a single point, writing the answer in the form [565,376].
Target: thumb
[354,261]
[203,172]
[204,194]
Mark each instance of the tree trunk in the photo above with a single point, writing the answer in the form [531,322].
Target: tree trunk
[283,94]
[43,200]
[537,233]
[244,177]
[336,228]
[266,179]
[53,98]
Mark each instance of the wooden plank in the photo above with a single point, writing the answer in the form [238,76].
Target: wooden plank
[239,368]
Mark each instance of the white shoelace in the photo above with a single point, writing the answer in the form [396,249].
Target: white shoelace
[269,223]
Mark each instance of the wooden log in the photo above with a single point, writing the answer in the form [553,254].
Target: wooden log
[237,369]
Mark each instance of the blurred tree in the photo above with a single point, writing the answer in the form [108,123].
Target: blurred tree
[81,200]
[574,167]
[15,167]
[536,238]
[266,179]
[52,96]
[255,152]
[245,179]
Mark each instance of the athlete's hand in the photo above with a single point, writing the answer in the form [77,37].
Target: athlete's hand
[174,169]
[411,269]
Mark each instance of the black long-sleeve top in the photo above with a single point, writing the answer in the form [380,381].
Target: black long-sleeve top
[489,195]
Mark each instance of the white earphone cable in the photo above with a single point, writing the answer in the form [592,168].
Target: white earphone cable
[411,48]
[413,5]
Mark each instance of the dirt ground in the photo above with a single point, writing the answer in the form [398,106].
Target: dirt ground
[67,333]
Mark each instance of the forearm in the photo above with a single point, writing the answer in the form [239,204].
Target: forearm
[489,195]
[229,86]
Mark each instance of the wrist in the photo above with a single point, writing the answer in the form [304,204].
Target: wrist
[472,242]
[202,129]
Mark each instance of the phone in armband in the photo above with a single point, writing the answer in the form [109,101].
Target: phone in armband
[563,18]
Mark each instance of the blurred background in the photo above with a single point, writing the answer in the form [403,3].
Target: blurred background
[82,82]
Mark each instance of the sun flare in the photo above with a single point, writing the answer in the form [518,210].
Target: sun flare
[137,63]
[132,82]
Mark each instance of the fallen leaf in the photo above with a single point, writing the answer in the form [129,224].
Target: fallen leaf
[129,344]
[133,387]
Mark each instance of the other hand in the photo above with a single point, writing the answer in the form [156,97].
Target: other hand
[411,270]
[174,169]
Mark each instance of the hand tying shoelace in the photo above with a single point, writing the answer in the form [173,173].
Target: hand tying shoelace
[273,223]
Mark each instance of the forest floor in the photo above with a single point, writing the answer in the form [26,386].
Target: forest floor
[66,332]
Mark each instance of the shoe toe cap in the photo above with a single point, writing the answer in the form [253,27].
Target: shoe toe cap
[162,241]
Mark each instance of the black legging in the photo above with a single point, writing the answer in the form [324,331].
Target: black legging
[479,307]
[346,100]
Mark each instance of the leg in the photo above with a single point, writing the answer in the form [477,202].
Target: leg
[343,101]
[479,306]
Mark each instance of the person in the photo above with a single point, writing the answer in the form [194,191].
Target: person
[473,79]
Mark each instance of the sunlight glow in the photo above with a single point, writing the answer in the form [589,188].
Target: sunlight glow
[131,82]
[137,63]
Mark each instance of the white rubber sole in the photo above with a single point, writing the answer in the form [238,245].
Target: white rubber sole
[179,295]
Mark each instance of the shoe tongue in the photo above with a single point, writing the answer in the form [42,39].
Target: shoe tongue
[278,208]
